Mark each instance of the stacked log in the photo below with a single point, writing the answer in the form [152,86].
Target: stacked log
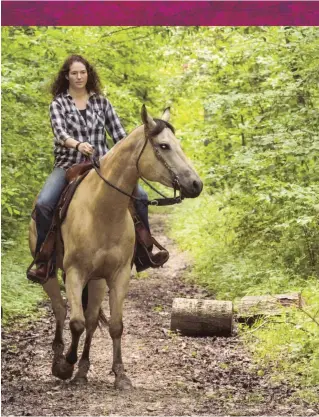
[251,307]
[195,317]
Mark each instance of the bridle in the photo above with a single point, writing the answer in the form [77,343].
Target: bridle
[164,201]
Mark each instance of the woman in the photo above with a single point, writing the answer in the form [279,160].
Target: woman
[79,115]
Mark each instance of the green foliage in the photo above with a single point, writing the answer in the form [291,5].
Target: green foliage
[255,91]
[19,297]
[290,344]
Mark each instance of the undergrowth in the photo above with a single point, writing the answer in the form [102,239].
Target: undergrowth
[207,229]
[19,297]
[288,345]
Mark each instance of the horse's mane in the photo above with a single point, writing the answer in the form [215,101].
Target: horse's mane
[160,126]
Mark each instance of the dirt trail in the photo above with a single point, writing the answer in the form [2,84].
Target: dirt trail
[172,375]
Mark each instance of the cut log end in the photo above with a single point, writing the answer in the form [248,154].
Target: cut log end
[195,317]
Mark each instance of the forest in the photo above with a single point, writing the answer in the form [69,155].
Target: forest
[244,103]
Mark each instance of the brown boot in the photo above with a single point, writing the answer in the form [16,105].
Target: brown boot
[40,274]
[144,258]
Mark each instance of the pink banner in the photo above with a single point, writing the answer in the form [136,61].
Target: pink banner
[202,13]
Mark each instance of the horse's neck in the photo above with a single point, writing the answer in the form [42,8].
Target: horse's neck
[119,164]
[118,167]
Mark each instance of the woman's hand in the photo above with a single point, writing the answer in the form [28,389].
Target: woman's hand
[86,149]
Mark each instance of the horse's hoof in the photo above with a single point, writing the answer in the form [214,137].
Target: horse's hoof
[79,380]
[123,383]
[62,370]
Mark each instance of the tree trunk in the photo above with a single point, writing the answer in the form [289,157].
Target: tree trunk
[193,317]
[264,305]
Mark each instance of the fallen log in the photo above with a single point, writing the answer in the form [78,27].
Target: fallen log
[195,317]
[251,306]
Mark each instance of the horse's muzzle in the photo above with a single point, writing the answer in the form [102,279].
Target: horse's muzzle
[192,190]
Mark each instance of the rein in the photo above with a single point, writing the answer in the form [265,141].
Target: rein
[165,201]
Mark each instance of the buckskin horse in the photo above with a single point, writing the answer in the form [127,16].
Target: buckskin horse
[99,237]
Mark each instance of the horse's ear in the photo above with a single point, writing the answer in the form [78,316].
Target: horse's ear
[147,119]
[167,114]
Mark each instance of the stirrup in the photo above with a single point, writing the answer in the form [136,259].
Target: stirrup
[146,259]
[38,279]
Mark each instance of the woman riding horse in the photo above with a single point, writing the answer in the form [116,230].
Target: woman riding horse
[79,114]
[98,239]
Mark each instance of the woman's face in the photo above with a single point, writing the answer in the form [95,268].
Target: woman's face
[77,76]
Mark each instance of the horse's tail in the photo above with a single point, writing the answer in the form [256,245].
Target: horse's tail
[103,322]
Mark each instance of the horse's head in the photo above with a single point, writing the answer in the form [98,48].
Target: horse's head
[163,160]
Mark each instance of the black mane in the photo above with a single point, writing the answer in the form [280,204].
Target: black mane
[160,126]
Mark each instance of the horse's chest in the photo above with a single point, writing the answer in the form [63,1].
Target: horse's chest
[111,258]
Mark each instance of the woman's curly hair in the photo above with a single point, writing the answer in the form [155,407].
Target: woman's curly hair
[61,84]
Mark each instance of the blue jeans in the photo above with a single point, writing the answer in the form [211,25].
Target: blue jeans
[49,198]
[141,207]
[47,202]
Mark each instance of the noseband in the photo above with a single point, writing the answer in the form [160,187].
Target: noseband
[165,201]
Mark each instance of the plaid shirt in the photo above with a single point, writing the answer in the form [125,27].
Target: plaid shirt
[67,122]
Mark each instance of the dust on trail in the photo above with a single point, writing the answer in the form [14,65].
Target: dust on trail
[172,375]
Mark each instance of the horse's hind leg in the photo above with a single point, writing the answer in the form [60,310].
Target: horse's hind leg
[118,290]
[97,289]
[52,288]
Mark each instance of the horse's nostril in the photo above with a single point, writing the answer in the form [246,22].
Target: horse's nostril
[196,185]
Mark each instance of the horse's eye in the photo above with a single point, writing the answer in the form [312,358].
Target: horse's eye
[164,146]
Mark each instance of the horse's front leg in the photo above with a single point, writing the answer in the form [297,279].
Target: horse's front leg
[96,289]
[74,287]
[118,290]
[52,288]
